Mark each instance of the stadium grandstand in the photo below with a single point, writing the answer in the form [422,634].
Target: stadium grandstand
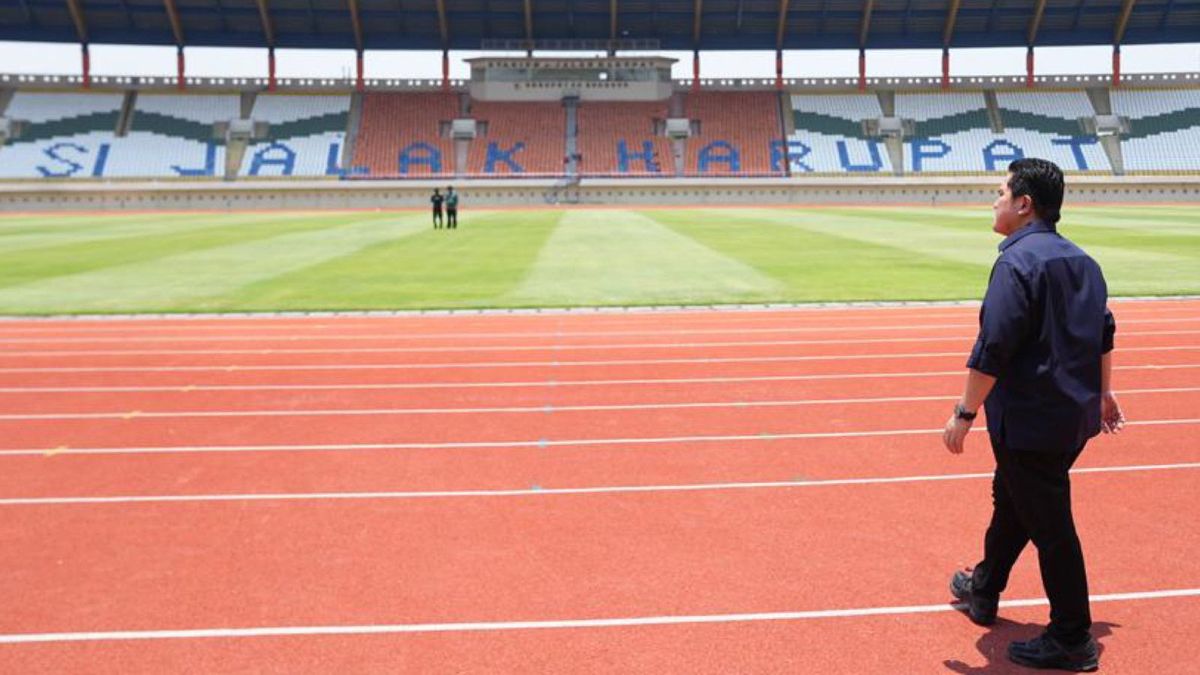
[569,121]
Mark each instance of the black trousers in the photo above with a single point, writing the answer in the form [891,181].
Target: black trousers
[1031,497]
[437,218]
[452,218]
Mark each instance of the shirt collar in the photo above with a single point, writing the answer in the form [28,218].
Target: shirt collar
[1033,226]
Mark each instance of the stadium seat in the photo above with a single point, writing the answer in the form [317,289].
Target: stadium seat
[954,133]
[739,131]
[522,138]
[171,135]
[617,139]
[1046,124]
[1164,133]
[305,138]
[828,136]
[66,135]
[399,135]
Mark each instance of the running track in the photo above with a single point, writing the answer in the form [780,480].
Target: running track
[651,491]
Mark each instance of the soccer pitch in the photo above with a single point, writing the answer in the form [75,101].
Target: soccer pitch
[102,263]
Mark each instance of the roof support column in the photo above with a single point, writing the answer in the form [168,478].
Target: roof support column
[182,68]
[697,14]
[529,28]
[264,17]
[1118,37]
[1029,67]
[947,38]
[87,67]
[864,29]
[81,30]
[359,84]
[780,30]
[612,28]
[445,70]
[695,70]
[1116,72]
[862,70]
[945,67]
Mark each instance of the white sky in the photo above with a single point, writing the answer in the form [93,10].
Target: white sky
[64,59]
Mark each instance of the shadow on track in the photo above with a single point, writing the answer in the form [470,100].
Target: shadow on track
[993,645]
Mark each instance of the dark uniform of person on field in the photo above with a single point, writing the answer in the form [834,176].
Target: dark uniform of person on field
[437,200]
[1043,363]
[451,208]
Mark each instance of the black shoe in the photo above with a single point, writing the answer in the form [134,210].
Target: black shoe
[981,608]
[1046,652]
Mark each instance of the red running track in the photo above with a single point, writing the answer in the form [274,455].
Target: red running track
[217,551]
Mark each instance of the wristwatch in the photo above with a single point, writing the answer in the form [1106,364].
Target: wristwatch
[963,414]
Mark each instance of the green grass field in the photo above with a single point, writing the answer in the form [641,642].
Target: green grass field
[53,264]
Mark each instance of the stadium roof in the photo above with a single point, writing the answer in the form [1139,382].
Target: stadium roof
[654,24]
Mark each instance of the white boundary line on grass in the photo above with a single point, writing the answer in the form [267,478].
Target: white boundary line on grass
[521,384]
[536,409]
[513,364]
[560,624]
[526,335]
[630,310]
[467,445]
[471,349]
[543,492]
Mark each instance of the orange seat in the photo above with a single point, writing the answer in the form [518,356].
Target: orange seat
[399,135]
[604,126]
[737,130]
[531,136]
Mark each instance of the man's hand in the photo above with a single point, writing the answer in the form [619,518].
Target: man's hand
[1112,420]
[955,434]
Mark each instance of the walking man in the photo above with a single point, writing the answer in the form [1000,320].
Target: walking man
[437,200]
[1042,369]
[451,208]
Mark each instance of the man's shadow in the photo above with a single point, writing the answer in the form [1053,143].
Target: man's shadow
[993,645]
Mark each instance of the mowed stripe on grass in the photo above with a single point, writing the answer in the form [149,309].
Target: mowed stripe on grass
[192,276]
[605,257]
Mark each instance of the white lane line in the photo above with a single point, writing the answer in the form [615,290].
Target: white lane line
[481,365]
[536,409]
[559,624]
[540,492]
[557,335]
[553,348]
[523,384]
[540,443]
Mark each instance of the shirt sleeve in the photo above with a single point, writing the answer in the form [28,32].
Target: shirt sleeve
[1003,321]
[1110,330]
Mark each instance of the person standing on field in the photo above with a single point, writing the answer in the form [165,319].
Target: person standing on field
[436,200]
[1042,368]
[451,208]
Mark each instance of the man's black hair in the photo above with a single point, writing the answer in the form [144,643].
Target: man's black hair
[1042,181]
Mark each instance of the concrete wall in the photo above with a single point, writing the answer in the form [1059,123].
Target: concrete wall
[295,194]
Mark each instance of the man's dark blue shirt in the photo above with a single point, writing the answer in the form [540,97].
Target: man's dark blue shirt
[1043,327]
